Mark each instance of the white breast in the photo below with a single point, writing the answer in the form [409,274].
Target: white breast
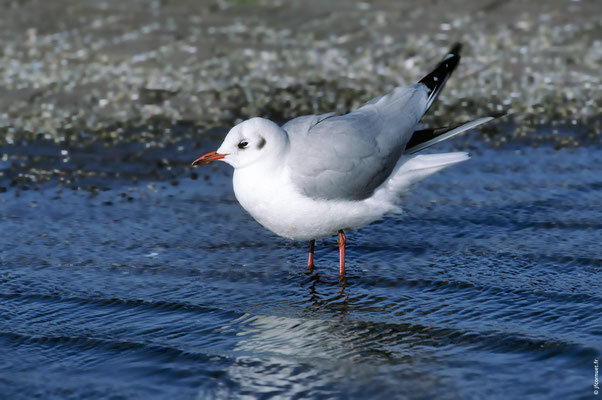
[270,197]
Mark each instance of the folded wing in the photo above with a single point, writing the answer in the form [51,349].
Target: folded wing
[347,157]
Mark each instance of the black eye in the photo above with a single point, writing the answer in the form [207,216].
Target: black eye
[243,144]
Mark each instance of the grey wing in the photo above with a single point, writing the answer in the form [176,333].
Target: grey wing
[347,157]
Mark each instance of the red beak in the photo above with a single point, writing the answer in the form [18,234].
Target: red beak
[207,158]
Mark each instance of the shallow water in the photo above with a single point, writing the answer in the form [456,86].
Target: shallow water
[488,286]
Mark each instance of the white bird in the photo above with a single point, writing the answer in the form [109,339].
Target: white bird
[319,175]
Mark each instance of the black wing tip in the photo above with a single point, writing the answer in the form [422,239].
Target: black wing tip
[424,135]
[436,79]
[445,67]
[456,48]
[496,115]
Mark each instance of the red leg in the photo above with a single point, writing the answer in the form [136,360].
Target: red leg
[341,243]
[310,260]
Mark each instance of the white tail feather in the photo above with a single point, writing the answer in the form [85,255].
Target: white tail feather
[410,170]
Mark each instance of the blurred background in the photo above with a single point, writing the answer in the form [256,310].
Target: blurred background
[124,273]
[77,73]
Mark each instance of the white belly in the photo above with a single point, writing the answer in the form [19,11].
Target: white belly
[279,207]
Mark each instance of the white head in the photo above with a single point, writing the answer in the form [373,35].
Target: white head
[252,141]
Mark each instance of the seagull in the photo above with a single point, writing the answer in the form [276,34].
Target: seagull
[322,175]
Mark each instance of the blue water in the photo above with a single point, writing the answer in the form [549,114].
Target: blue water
[160,287]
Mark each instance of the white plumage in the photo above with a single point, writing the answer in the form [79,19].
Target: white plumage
[322,174]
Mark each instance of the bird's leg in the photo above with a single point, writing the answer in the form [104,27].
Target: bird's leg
[310,260]
[341,243]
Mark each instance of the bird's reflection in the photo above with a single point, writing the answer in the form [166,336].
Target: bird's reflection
[320,287]
[311,339]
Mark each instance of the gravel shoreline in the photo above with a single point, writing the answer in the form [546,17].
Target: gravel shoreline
[77,73]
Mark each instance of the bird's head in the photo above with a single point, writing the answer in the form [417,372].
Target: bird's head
[252,141]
